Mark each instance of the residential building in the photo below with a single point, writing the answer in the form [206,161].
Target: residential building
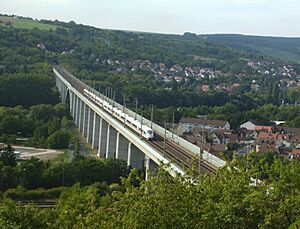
[251,125]
[188,124]
[247,136]
[295,154]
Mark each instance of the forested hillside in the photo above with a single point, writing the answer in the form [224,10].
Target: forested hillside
[161,70]
[279,47]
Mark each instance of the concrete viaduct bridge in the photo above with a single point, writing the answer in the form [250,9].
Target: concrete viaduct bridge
[112,139]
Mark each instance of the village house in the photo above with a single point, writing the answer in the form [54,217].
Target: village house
[295,140]
[216,149]
[188,124]
[295,153]
[247,136]
[251,125]
[267,148]
[221,136]
[279,140]
[288,130]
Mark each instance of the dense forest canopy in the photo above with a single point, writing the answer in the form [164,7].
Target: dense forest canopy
[279,47]
[228,199]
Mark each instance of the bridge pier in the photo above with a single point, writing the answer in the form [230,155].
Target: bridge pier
[135,157]
[122,147]
[73,105]
[90,125]
[77,112]
[65,93]
[96,127]
[85,120]
[71,102]
[80,120]
[151,167]
[102,138]
[111,142]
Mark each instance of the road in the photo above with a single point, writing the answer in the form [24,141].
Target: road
[43,154]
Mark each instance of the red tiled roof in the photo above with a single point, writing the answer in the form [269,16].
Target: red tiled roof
[269,136]
[268,128]
[296,152]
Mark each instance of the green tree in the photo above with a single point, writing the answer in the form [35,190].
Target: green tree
[59,140]
[8,157]
[41,132]
[42,112]
[14,216]
[10,125]
[293,95]
[296,122]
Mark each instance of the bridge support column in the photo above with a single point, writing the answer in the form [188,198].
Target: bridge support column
[80,119]
[102,138]
[150,167]
[129,154]
[122,147]
[111,142]
[71,103]
[76,118]
[85,120]
[64,92]
[96,127]
[135,157]
[74,106]
[90,124]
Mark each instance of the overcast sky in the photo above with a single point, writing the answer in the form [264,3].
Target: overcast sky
[257,17]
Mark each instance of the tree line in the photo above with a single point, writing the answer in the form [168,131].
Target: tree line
[228,199]
[41,125]
[34,173]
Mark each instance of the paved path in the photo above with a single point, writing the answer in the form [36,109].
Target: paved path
[43,154]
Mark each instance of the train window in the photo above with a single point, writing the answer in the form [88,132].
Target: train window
[149,131]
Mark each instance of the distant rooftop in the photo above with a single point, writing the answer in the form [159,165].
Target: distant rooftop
[203,121]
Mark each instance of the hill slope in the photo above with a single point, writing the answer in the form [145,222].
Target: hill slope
[279,47]
[25,23]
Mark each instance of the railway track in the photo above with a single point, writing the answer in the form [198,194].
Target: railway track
[171,150]
[181,157]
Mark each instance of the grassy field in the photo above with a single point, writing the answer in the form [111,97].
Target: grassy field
[23,23]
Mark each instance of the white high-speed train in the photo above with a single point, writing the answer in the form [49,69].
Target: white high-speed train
[137,126]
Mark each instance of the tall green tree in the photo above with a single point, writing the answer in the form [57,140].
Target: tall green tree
[8,157]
